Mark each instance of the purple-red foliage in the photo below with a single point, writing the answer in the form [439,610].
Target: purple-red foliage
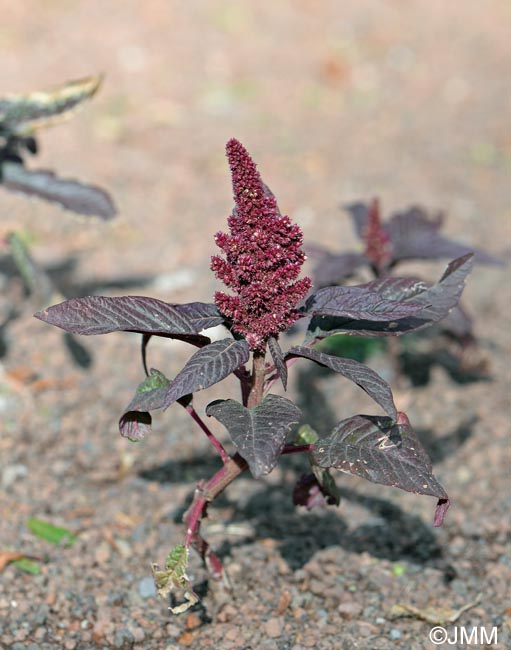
[261,261]
[263,257]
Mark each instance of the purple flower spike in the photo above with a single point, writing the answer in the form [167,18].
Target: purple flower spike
[263,258]
[378,244]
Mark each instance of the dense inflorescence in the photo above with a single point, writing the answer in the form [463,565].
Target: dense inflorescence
[378,243]
[263,257]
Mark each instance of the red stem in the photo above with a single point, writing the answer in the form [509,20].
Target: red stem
[258,373]
[252,387]
[205,493]
[211,437]
[296,449]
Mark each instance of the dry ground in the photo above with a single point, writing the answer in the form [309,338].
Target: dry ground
[336,101]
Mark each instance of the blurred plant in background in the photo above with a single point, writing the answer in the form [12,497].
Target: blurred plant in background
[406,236]
[21,116]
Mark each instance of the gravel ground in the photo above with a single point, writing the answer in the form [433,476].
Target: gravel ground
[337,101]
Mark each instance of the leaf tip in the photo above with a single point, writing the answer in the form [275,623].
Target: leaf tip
[402,419]
[41,315]
[441,509]
[135,425]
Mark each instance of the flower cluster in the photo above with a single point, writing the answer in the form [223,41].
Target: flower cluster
[377,240]
[263,257]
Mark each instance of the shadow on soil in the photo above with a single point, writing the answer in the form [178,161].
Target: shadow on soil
[442,447]
[417,356]
[45,283]
[183,471]
[390,533]
[316,408]
[418,366]
[62,277]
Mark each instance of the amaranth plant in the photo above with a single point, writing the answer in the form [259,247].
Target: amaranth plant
[260,263]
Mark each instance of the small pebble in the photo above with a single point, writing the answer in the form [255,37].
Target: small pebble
[123,547]
[13,473]
[349,609]
[173,631]
[102,553]
[123,638]
[232,634]
[273,627]
[41,614]
[146,587]
[395,634]
[367,629]
[227,613]
[138,634]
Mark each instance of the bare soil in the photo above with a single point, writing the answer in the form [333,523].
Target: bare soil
[336,101]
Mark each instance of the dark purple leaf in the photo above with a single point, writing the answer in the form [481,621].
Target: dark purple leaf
[88,200]
[359,213]
[441,509]
[307,492]
[332,269]
[150,394]
[135,425]
[278,360]
[436,303]
[101,315]
[316,489]
[439,299]
[202,315]
[259,433]
[358,303]
[382,451]
[416,236]
[135,422]
[457,323]
[407,228]
[206,367]
[397,288]
[357,372]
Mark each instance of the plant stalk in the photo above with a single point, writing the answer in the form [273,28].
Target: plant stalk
[258,373]
[296,449]
[211,437]
[205,493]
